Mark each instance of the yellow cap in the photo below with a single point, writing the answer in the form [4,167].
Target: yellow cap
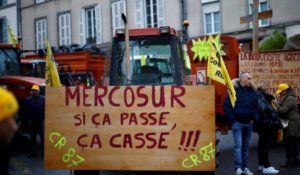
[35,87]
[8,104]
[282,87]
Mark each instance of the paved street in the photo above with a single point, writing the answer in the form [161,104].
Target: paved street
[277,157]
[21,165]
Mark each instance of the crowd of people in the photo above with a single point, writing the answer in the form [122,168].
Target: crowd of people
[274,120]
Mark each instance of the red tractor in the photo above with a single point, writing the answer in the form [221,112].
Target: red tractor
[11,73]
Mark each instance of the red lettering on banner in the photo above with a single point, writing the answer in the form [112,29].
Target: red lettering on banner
[79,143]
[80,119]
[95,141]
[142,95]
[131,96]
[150,137]
[128,91]
[152,118]
[98,98]
[139,137]
[105,120]
[161,102]
[175,97]
[85,95]
[133,119]
[112,141]
[127,141]
[110,97]
[70,95]
[149,140]
[161,140]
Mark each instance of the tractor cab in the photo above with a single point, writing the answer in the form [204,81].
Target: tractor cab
[156,58]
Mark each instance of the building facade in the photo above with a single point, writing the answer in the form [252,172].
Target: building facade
[216,16]
[67,22]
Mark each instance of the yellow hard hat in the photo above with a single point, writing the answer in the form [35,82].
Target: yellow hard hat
[281,87]
[8,104]
[35,87]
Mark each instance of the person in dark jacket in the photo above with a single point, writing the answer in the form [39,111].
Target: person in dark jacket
[241,118]
[8,127]
[288,110]
[34,113]
[267,128]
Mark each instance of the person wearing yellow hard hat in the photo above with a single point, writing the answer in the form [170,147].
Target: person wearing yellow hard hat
[288,110]
[33,111]
[8,127]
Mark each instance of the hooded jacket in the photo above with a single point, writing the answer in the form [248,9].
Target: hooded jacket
[288,109]
[269,121]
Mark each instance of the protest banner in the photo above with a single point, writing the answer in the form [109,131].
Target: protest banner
[273,68]
[130,128]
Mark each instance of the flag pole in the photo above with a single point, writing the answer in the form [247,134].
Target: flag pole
[127,51]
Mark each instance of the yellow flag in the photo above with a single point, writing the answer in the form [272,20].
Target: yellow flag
[52,77]
[216,69]
[143,60]
[12,39]
[186,58]
[228,83]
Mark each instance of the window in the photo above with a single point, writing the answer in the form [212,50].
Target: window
[90,27]
[41,33]
[263,6]
[211,18]
[39,1]
[149,13]
[151,62]
[64,28]
[3,3]
[207,1]
[118,8]
[3,30]
[9,62]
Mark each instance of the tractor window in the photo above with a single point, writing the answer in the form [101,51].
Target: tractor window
[9,63]
[150,62]
[34,68]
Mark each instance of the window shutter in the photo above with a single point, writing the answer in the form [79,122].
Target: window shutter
[118,8]
[41,33]
[61,26]
[98,24]
[160,13]
[37,32]
[139,14]
[68,29]
[44,23]
[122,8]
[81,18]
[115,20]
[5,34]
